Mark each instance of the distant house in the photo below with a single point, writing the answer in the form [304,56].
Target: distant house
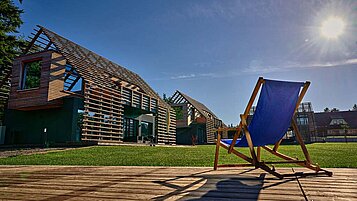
[305,121]
[337,126]
[195,123]
[62,92]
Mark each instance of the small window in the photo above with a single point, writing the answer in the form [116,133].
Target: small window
[31,75]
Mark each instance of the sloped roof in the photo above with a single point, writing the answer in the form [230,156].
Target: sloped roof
[324,118]
[94,67]
[199,106]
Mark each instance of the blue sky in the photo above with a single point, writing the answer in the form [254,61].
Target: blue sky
[215,51]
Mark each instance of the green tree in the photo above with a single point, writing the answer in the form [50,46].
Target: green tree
[354,108]
[335,110]
[10,21]
[179,112]
[167,99]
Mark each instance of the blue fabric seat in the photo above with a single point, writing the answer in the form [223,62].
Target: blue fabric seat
[273,114]
[229,141]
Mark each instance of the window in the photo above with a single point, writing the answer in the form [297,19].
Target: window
[31,75]
[302,120]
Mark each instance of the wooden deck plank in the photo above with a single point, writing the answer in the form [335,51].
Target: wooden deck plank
[168,183]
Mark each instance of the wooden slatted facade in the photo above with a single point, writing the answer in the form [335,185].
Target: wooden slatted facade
[194,113]
[109,91]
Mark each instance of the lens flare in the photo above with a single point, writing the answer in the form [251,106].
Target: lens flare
[332,28]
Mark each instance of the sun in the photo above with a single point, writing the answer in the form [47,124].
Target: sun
[332,28]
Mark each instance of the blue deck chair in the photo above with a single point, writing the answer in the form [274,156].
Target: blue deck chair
[274,114]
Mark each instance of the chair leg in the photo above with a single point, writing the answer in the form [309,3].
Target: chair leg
[217,151]
[258,153]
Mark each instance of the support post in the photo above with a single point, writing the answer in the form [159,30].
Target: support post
[217,150]
[258,153]
[249,140]
[301,141]
[247,109]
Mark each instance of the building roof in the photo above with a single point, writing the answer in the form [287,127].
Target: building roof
[324,118]
[90,65]
[199,106]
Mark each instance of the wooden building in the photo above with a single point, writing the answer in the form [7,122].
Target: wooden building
[305,120]
[339,126]
[195,123]
[62,92]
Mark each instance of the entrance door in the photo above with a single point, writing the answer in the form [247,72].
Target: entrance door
[130,130]
[146,132]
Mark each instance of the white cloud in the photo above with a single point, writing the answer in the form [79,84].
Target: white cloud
[257,66]
[183,76]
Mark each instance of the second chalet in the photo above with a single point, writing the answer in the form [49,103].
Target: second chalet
[195,123]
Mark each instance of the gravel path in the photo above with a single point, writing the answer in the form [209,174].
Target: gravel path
[11,152]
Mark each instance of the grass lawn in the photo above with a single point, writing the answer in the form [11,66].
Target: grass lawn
[325,154]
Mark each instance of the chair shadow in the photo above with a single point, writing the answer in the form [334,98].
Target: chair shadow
[243,187]
[227,186]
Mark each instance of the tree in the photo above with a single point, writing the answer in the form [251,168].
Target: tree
[327,110]
[10,21]
[167,99]
[335,110]
[354,108]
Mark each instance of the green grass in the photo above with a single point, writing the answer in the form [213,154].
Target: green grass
[325,154]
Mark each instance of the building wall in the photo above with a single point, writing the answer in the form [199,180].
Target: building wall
[51,82]
[27,127]
[185,135]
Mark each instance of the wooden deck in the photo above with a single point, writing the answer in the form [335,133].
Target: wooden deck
[168,183]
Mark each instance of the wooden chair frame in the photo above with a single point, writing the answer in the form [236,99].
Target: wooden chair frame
[254,158]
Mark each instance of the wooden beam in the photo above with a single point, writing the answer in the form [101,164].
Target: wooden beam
[45,39]
[218,142]
[254,94]
[258,153]
[33,41]
[235,137]
[249,140]
[288,158]
[277,144]
[48,45]
[175,96]
[73,83]
[302,94]
[237,153]
[301,141]
[247,109]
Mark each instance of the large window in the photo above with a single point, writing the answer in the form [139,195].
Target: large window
[302,120]
[31,75]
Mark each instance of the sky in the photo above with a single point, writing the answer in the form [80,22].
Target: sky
[214,51]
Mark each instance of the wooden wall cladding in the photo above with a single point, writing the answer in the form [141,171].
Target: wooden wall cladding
[103,114]
[166,125]
[37,97]
[56,80]
[201,114]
